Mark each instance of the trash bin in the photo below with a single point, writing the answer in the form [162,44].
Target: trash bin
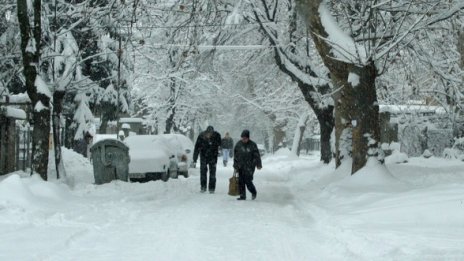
[110,161]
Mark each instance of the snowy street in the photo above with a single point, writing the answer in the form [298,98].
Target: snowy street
[345,118]
[304,211]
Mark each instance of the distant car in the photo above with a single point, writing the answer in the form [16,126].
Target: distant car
[261,149]
[158,156]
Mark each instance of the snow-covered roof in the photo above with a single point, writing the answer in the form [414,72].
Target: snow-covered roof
[408,109]
[125,126]
[130,120]
[16,98]
[12,112]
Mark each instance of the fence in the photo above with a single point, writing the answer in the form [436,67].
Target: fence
[23,151]
[311,144]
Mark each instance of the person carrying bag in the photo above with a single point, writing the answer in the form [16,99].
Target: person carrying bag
[233,185]
[246,159]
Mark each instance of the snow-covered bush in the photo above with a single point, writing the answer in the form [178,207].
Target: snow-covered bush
[455,152]
[412,140]
[438,140]
[449,153]
[459,145]
[396,157]
[427,154]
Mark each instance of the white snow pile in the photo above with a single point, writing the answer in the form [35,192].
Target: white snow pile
[397,157]
[305,210]
[31,193]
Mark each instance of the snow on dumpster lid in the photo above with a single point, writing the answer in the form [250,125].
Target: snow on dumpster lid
[99,137]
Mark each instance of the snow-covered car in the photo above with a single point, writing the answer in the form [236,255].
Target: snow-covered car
[261,149]
[158,156]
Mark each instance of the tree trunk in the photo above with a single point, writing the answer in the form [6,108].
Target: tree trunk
[298,137]
[170,121]
[170,124]
[326,125]
[57,109]
[457,132]
[68,138]
[30,49]
[344,109]
[355,105]
[40,142]
[461,47]
[366,129]
[279,136]
[104,124]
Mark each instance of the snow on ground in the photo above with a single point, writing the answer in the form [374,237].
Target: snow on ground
[304,211]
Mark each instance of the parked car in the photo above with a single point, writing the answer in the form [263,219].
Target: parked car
[158,156]
[262,149]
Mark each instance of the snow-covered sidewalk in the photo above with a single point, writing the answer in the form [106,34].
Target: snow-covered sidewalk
[304,211]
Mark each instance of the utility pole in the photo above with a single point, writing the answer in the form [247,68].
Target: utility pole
[119,54]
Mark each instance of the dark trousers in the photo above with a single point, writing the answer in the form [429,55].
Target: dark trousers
[245,178]
[204,166]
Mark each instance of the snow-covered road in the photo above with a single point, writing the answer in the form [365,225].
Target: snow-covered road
[304,211]
[174,221]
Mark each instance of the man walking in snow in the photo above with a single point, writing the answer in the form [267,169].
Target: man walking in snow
[207,146]
[227,144]
[246,159]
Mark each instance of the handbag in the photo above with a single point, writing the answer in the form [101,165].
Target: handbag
[233,185]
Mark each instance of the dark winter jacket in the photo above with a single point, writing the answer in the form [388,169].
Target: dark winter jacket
[246,157]
[207,148]
[227,143]
[81,147]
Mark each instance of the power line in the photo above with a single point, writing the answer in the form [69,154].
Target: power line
[220,47]
[183,26]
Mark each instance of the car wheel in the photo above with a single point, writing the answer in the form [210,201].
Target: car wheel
[165,176]
[140,180]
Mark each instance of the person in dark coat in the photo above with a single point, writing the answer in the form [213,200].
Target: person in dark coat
[207,146]
[82,145]
[227,144]
[246,159]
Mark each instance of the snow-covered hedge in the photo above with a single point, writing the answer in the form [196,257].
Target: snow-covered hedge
[456,151]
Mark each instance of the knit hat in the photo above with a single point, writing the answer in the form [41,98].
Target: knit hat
[210,129]
[245,133]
